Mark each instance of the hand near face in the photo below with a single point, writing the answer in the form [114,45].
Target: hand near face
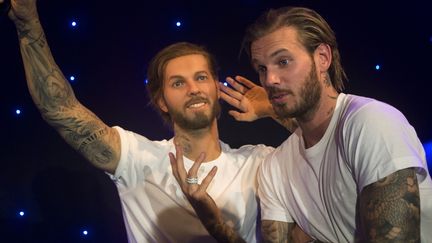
[250,99]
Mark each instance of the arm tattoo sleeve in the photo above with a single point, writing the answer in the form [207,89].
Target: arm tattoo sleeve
[390,209]
[57,103]
[276,231]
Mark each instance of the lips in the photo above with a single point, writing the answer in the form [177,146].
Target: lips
[278,97]
[196,103]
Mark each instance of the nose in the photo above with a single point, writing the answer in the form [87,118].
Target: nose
[193,88]
[271,78]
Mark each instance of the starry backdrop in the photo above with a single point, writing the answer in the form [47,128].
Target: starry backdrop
[49,193]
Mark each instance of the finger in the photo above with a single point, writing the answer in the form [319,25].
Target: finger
[238,116]
[231,92]
[230,100]
[207,180]
[194,169]
[246,82]
[179,162]
[174,166]
[236,85]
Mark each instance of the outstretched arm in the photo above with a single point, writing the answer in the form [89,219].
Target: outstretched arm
[54,97]
[390,209]
[252,102]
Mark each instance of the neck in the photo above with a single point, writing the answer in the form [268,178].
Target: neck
[315,125]
[194,142]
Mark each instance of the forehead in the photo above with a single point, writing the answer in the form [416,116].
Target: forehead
[185,65]
[284,38]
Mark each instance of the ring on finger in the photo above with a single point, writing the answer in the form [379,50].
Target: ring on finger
[192,180]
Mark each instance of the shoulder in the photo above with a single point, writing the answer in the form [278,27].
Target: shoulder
[134,141]
[247,150]
[360,113]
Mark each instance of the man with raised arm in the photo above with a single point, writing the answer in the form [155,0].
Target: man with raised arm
[183,86]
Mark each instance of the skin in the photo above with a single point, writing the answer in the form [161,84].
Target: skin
[54,97]
[99,143]
[389,209]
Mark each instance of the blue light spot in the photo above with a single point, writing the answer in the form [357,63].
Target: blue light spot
[377,67]
[72,78]
[225,83]
[74,23]
[21,213]
[18,111]
[146,81]
[178,23]
[85,232]
[428,149]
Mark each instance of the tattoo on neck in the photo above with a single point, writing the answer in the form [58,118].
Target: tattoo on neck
[185,143]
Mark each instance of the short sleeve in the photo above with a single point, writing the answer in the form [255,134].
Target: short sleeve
[138,157]
[380,141]
[271,199]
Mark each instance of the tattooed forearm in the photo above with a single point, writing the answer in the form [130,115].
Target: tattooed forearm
[54,97]
[276,231]
[390,209]
[224,233]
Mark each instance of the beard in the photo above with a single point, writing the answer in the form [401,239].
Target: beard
[199,120]
[310,95]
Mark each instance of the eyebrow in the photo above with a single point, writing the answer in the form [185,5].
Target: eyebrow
[275,53]
[181,77]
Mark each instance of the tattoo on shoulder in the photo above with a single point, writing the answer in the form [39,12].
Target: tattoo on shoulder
[390,208]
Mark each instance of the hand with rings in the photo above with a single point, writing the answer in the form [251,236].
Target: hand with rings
[204,206]
[249,98]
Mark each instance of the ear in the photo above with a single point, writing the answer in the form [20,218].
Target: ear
[323,58]
[218,91]
[162,104]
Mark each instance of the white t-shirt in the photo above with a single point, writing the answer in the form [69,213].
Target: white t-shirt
[156,210]
[318,187]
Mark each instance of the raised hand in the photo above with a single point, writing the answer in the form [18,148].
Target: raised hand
[252,102]
[23,11]
[249,98]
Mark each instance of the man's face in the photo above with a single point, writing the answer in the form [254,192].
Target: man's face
[190,93]
[287,72]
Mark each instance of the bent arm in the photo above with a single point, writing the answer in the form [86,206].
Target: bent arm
[55,99]
[390,209]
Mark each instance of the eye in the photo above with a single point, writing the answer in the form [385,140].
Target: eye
[177,83]
[202,77]
[284,62]
[261,69]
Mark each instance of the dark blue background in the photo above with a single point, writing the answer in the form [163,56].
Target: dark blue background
[108,53]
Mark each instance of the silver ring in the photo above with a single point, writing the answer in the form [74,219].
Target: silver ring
[192,180]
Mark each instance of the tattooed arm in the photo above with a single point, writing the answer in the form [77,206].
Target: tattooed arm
[277,231]
[54,97]
[390,209]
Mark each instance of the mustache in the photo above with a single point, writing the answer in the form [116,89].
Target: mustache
[274,91]
[195,100]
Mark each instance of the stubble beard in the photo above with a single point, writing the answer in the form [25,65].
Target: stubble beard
[309,97]
[200,120]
